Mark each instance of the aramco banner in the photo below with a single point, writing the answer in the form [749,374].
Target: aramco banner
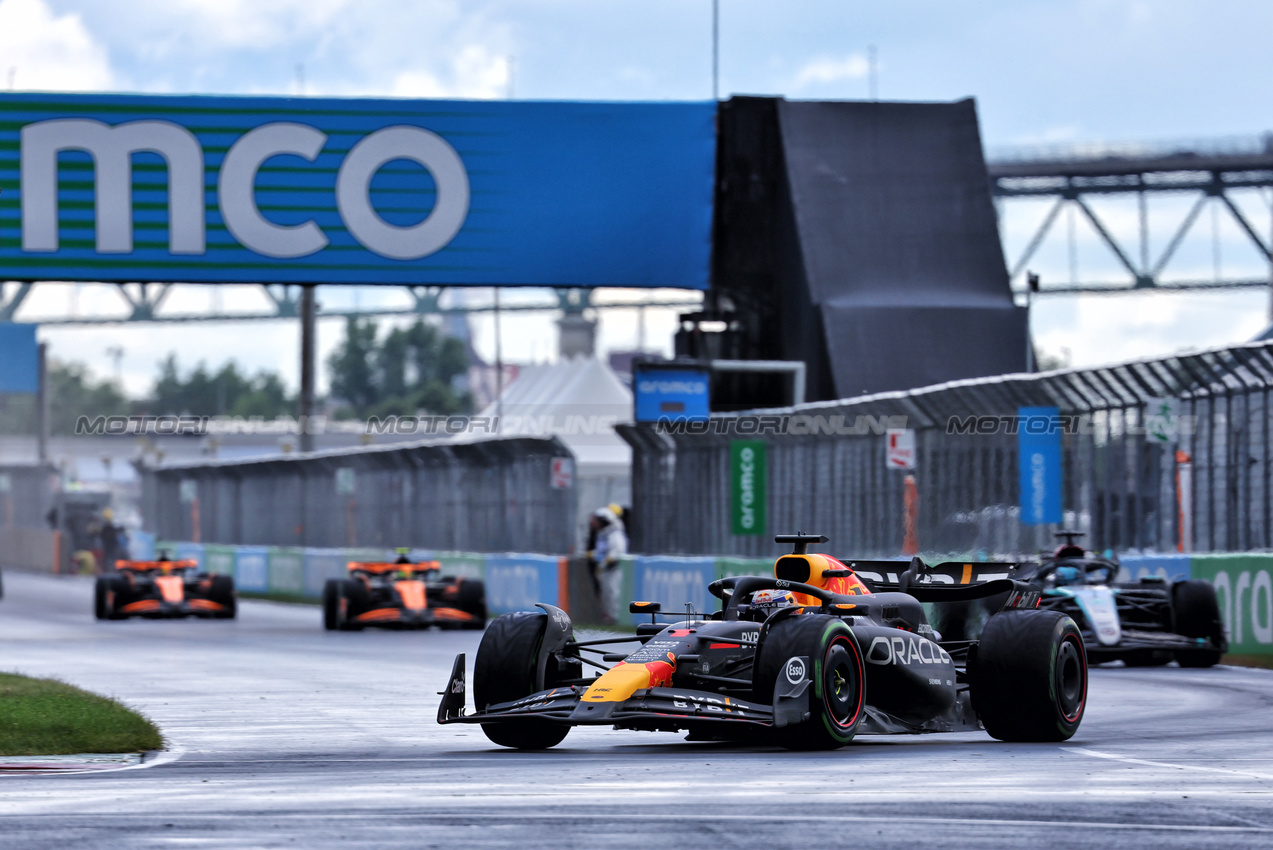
[1039,464]
[748,468]
[318,190]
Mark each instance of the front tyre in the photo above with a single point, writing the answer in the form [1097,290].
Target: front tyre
[221,590]
[1029,679]
[504,670]
[838,689]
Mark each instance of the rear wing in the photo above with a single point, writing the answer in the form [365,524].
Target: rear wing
[146,566]
[380,567]
[951,581]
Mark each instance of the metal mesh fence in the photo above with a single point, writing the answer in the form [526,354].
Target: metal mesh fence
[1120,473]
[485,496]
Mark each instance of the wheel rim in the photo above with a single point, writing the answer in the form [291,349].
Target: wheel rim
[841,684]
[1071,683]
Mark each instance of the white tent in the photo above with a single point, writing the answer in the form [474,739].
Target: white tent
[579,400]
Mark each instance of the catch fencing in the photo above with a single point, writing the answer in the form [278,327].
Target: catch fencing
[491,495]
[1137,435]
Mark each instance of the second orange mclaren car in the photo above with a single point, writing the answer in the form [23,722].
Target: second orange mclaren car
[403,594]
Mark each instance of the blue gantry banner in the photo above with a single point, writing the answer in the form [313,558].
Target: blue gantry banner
[320,190]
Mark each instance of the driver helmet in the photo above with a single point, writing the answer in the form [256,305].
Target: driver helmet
[771,600]
[1066,575]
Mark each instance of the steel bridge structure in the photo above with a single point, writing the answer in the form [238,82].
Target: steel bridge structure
[1210,171]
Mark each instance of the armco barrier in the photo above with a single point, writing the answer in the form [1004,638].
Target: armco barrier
[252,569]
[516,582]
[1244,589]
[321,565]
[218,559]
[183,551]
[464,564]
[1169,567]
[673,582]
[287,571]
[734,566]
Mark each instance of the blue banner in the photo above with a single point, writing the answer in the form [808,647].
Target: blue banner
[323,190]
[19,359]
[1039,463]
[517,582]
[252,569]
[673,582]
[675,394]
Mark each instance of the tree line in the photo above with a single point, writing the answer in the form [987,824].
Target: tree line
[408,370]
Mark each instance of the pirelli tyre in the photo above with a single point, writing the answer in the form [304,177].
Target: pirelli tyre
[1197,615]
[102,598]
[110,593]
[838,681]
[221,590]
[471,598]
[1029,676]
[343,600]
[505,669]
[331,604]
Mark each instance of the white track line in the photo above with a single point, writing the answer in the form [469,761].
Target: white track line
[1130,760]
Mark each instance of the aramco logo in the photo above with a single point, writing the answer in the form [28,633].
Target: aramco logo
[747,487]
[112,147]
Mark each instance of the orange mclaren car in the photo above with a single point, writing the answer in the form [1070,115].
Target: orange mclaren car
[163,589]
[403,594]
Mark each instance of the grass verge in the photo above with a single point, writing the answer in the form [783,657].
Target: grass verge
[1265,661]
[46,717]
[281,597]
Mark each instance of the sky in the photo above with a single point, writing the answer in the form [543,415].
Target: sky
[1043,73]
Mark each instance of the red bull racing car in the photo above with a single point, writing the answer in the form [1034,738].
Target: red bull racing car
[806,658]
[163,589]
[403,595]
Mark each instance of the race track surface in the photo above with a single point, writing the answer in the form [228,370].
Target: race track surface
[290,736]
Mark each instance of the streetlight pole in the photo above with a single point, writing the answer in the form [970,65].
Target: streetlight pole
[715,49]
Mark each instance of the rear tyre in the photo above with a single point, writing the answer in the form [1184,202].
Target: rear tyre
[838,689]
[504,670]
[331,604]
[1197,615]
[222,591]
[471,598]
[101,598]
[1029,679]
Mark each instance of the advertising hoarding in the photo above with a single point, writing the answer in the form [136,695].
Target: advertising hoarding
[325,190]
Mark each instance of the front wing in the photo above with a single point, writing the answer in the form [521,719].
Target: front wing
[665,709]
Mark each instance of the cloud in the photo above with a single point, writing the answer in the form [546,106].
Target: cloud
[827,70]
[49,52]
[475,72]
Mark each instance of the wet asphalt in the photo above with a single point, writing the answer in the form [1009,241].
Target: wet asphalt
[288,736]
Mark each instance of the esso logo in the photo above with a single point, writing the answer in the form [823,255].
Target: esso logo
[795,670]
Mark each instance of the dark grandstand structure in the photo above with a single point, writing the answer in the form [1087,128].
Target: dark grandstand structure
[860,238]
